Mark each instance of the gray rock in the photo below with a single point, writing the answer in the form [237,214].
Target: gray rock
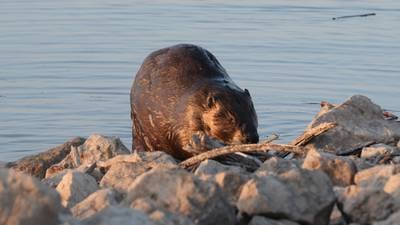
[259,220]
[212,167]
[37,165]
[159,215]
[25,201]
[114,215]
[364,205]
[391,220]
[74,187]
[96,202]
[123,170]
[182,192]
[341,170]
[300,195]
[96,148]
[376,176]
[276,166]
[67,219]
[359,122]
[377,150]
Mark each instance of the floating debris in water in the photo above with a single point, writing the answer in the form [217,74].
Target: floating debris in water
[359,15]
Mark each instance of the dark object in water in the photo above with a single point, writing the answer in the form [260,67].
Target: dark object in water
[359,15]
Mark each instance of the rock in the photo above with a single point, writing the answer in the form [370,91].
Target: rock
[25,201]
[391,220]
[96,148]
[182,192]
[37,165]
[124,170]
[96,202]
[376,176]
[364,205]
[300,195]
[158,215]
[276,166]
[341,170]
[361,164]
[118,215]
[74,187]
[212,167]
[392,186]
[67,219]
[359,123]
[377,150]
[259,220]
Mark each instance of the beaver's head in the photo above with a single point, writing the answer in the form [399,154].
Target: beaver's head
[230,116]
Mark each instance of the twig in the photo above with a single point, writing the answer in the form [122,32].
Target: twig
[240,148]
[313,132]
[359,15]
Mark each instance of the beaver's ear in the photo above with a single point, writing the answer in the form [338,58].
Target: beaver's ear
[210,101]
[247,92]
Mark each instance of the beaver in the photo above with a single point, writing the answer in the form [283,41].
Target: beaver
[182,90]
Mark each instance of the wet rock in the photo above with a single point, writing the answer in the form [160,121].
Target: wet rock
[118,215]
[125,169]
[259,220]
[182,192]
[341,170]
[95,148]
[300,195]
[74,187]
[364,205]
[376,176]
[391,220]
[359,123]
[159,215]
[377,150]
[25,201]
[96,202]
[276,166]
[37,165]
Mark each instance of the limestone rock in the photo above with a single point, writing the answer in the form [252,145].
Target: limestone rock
[376,176]
[377,150]
[123,170]
[364,205]
[95,148]
[341,170]
[25,201]
[212,167]
[182,192]
[159,215]
[96,202]
[300,195]
[276,166]
[37,165]
[118,215]
[359,122]
[74,187]
[259,220]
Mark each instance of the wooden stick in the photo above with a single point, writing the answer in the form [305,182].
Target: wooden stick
[313,132]
[240,148]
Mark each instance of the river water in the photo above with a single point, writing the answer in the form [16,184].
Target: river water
[66,67]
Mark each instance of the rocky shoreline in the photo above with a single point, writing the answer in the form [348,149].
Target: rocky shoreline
[349,174]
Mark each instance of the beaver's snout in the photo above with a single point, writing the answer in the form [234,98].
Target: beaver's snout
[252,138]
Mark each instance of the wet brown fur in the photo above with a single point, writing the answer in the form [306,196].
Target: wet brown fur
[181,90]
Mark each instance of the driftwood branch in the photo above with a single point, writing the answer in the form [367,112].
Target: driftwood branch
[240,148]
[313,132]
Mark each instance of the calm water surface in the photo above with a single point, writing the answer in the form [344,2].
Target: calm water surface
[66,66]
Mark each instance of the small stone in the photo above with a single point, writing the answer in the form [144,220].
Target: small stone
[212,167]
[377,150]
[363,205]
[96,202]
[259,220]
[74,187]
[181,192]
[276,166]
[25,201]
[376,176]
[299,195]
[114,215]
[341,170]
